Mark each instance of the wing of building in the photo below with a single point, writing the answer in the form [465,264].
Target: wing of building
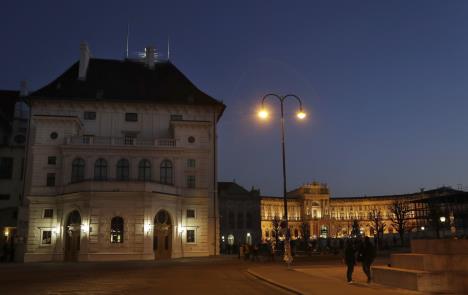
[121,163]
[314,214]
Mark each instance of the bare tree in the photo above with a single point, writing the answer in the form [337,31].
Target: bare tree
[400,217]
[355,229]
[276,224]
[377,224]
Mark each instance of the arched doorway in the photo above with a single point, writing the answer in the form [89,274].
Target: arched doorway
[72,236]
[162,235]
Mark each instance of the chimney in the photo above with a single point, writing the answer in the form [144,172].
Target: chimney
[84,61]
[23,88]
[149,57]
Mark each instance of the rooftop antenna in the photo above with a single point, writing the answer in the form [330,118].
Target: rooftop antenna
[168,48]
[126,41]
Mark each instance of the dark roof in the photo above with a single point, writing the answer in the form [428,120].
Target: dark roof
[434,192]
[126,80]
[231,187]
[8,99]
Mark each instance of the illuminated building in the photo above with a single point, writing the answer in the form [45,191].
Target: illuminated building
[122,163]
[333,217]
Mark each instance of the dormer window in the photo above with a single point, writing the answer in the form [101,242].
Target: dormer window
[131,117]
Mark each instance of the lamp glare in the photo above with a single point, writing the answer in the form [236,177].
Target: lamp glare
[263,114]
[301,115]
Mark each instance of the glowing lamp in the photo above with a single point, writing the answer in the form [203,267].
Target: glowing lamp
[6,232]
[85,228]
[147,227]
[301,115]
[442,219]
[422,228]
[263,114]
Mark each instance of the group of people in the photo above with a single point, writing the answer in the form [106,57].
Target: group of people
[358,250]
[253,252]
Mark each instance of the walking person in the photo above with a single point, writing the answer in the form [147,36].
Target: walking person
[350,260]
[367,255]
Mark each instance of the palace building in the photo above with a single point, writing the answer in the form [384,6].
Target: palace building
[121,163]
[311,205]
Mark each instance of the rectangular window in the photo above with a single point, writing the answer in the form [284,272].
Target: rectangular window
[6,167]
[48,213]
[88,139]
[190,213]
[191,181]
[129,139]
[50,179]
[176,117]
[89,115]
[46,237]
[52,160]
[131,117]
[4,197]
[190,236]
[191,163]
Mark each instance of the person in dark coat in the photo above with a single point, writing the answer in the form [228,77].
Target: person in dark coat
[367,255]
[350,260]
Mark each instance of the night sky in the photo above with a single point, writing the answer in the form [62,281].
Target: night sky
[385,83]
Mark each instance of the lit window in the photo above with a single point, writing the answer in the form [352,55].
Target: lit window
[48,213]
[190,236]
[117,230]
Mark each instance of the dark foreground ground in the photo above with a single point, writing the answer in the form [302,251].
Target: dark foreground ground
[218,275]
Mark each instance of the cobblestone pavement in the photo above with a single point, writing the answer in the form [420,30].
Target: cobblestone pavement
[219,275]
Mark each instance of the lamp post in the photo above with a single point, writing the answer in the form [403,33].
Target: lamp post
[263,114]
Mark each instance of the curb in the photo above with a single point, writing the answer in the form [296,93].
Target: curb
[282,286]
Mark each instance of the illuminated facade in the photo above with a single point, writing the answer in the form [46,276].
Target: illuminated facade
[122,164]
[333,217]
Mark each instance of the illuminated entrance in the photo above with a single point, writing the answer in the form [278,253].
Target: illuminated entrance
[72,236]
[162,235]
[324,231]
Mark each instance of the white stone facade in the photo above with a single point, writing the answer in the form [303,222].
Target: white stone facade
[181,134]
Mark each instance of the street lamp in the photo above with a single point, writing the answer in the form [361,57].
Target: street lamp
[263,114]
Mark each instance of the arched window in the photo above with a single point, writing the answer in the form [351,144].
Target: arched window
[100,169]
[144,170]
[77,170]
[117,230]
[123,169]
[166,172]
[267,233]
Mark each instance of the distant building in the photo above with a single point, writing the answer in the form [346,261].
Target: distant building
[239,211]
[13,131]
[122,163]
[312,207]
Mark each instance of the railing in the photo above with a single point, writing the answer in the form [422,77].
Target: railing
[120,141]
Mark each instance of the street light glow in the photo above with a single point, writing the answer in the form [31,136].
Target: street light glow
[263,114]
[301,114]
[442,219]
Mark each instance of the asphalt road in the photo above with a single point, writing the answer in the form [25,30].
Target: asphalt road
[219,275]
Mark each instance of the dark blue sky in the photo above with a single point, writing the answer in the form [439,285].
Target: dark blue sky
[385,83]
